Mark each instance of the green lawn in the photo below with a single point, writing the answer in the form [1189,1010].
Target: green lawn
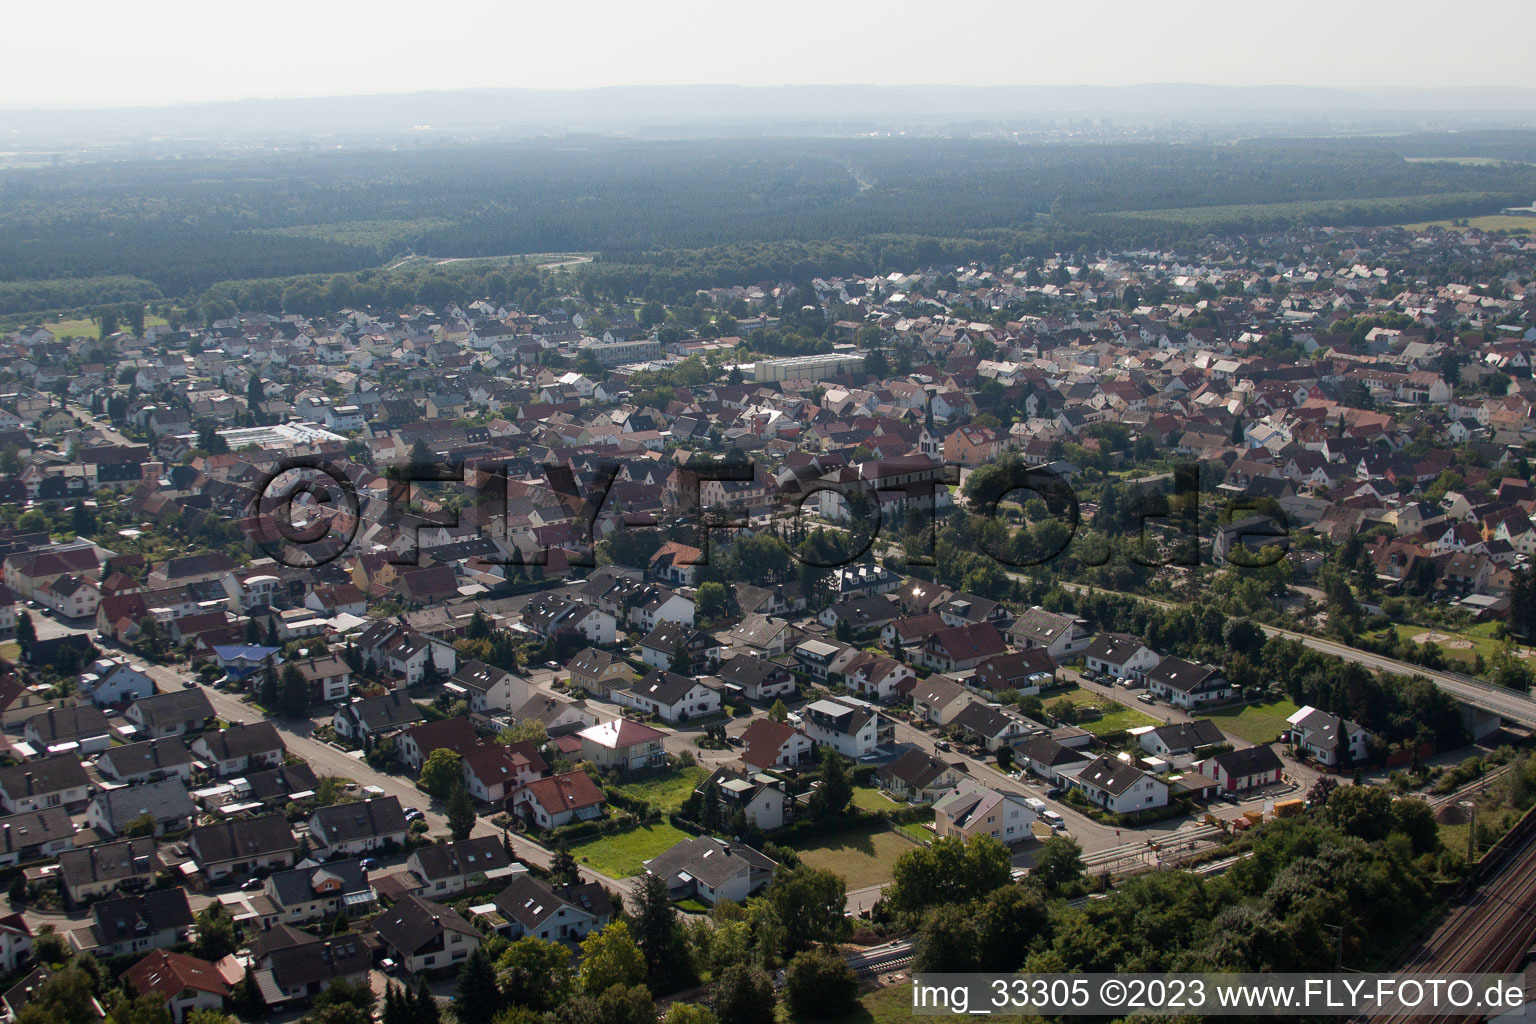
[863,857]
[667,790]
[869,798]
[1256,723]
[1114,717]
[622,854]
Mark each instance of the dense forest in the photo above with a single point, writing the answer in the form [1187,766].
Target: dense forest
[108,231]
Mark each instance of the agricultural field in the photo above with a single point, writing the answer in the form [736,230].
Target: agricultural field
[864,857]
[622,854]
[1256,723]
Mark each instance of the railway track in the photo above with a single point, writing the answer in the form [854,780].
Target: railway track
[1488,933]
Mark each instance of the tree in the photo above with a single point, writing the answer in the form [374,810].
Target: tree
[819,983]
[441,772]
[26,632]
[1060,862]
[478,997]
[267,692]
[535,973]
[710,599]
[808,903]
[610,957]
[215,934]
[744,995]
[293,693]
[832,795]
[460,812]
[948,941]
[562,867]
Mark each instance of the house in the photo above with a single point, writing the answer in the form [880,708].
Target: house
[918,777]
[956,648]
[447,869]
[177,713]
[1062,636]
[418,742]
[938,699]
[157,919]
[755,678]
[1047,758]
[1120,656]
[623,744]
[422,936]
[314,892]
[876,676]
[1327,738]
[31,835]
[711,870]
[367,718]
[1119,787]
[1180,737]
[1243,769]
[78,730]
[559,800]
[243,846]
[768,744]
[1023,671]
[598,672]
[290,966]
[167,802]
[240,748]
[1187,685]
[757,797]
[493,772]
[990,728]
[183,983]
[358,827]
[50,782]
[329,678]
[971,809]
[114,681]
[555,913]
[662,644]
[852,727]
[488,688]
[15,942]
[670,697]
[104,868]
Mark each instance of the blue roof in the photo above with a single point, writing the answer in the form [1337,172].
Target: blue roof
[244,653]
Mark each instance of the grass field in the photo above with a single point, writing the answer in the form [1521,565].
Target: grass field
[88,328]
[1492,222]
[666,791]
[622,854]
[863,857]
[1256,723]
[869,798]
[1115,717]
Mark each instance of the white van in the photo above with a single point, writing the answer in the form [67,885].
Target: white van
[1053,819]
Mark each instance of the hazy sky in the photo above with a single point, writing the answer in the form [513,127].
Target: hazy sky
[110,53]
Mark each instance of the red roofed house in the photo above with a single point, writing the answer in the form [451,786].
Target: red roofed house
[767,744]
[183,982]
[559,800]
